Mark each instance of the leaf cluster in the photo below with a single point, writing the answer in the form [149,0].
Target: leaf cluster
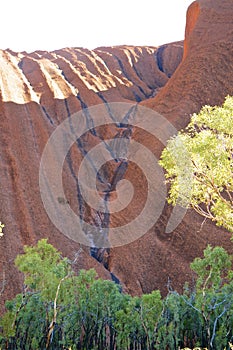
[199,164]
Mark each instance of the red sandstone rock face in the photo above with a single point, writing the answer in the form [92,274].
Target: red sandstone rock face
[41,89]
[38,92]
[205,75]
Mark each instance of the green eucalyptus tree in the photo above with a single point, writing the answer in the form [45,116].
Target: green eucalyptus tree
[203,155]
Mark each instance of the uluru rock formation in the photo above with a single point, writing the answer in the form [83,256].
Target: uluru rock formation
[42,89]
[39,91]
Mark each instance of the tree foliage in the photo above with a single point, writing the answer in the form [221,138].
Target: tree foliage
[60,310]
[199,164]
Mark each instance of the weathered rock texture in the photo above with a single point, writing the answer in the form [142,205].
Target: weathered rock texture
[38,92]
[41,89]
[205,74]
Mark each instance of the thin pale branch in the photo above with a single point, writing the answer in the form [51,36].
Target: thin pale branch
[215,325]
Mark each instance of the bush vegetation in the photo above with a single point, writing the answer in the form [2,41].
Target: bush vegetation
[58,310]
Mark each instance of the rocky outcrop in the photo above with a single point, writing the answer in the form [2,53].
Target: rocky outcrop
[42,89]
[111,73]
[39,91]
[204,76]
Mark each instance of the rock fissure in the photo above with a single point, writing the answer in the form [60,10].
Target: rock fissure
[49,118]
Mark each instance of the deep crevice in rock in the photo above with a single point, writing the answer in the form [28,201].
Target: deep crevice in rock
[159,56]
[47,115]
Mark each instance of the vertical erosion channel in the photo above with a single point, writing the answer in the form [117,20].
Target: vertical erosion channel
[108,179]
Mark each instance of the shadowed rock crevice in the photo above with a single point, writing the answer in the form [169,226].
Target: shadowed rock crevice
[159,56]
[100,221]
